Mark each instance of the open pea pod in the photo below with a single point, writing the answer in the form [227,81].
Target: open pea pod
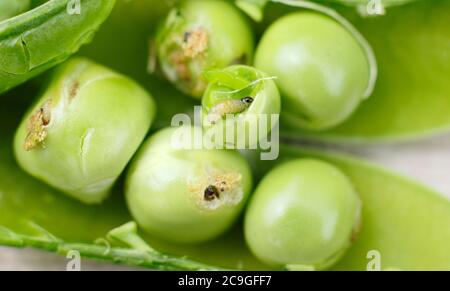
[405,222]
[37,40]
[400,217]
[411,96]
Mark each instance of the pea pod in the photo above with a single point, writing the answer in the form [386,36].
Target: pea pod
[10,8]
[36,41]
[417,218]
[255,8]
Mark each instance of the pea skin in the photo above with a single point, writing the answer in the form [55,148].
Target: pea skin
[82,132]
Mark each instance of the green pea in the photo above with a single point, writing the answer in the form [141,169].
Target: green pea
[323,71]
[186,195]
[200,35]
[10,8]
[240,97]
[303,215]
[82,132]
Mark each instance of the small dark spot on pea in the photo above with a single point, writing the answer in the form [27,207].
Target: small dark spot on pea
[45,121]
[211,193]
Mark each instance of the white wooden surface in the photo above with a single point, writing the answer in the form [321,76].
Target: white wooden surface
[426,161]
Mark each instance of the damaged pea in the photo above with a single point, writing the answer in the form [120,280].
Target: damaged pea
[202,35]
[84,129]
[185,195]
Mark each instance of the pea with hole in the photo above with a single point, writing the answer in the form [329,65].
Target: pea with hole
[200,35]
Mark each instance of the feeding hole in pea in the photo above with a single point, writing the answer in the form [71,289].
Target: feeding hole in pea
[211,193]
[36,128]
[216,190]
[195,42]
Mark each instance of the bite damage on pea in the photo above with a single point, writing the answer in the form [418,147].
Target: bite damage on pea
[73,127]
[195,42]
[219,189]
[36,127]
[211,193]
[185,45]
[186,48]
